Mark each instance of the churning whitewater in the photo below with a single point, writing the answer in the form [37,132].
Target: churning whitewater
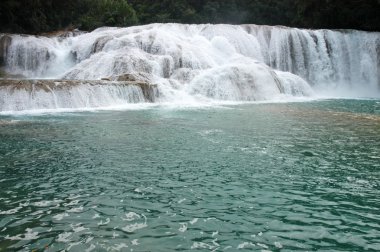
[187,64]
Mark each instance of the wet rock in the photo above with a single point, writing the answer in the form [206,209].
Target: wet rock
[143,80]
[74,56]
[71,33]
[61,34]
[149,91]
[5,41]
[99,44]
[5,75]
[166,68]
[137,77]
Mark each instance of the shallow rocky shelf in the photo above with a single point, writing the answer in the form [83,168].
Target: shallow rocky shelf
[35,85]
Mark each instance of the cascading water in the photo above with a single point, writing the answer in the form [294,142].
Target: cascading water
[192,63]
[41,57]
[54,94]
[333,62]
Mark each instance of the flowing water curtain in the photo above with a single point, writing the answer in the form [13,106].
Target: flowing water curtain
[219,62]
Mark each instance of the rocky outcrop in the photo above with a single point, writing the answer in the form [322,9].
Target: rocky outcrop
[63,33]
[99,44]
[5,41]
[137,77]
[149,90]
[143,80]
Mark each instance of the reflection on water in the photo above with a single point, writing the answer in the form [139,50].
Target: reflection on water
[270,177]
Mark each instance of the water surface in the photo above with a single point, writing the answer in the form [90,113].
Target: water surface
[260,177]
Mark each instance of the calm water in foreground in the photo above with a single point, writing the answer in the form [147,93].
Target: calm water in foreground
[263,177]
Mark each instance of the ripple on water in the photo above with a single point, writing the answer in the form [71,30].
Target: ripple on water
[263,177]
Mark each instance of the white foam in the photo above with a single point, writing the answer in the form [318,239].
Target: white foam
[133,227]
[73,196]
[135,242]
[278,245]
[76,210]
[136,226]
[46,203]
[29,235]
[181,201]
[78,228]
[101,223]
[119,247]
[131,216]
[10,211]
[73,244]
[183,227]
[165,106]
[202,245]
[72,203]
[64,237]
[89,239]
[262,245]
[59,217]
[96,215]
[245,245]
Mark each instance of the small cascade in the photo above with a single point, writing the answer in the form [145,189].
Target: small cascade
[217,62]
[38,57]
[328,60]
[247,82]
[18,95]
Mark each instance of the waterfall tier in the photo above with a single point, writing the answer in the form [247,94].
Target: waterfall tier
[18,95]
[219,62]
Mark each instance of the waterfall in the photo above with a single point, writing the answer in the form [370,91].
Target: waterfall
[192,62]
[328,60]
[18,95]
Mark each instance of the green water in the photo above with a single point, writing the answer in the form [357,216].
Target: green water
[261,177]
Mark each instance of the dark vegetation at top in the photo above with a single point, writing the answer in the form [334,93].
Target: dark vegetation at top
[37,16]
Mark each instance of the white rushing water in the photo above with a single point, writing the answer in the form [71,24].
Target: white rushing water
[83,96]
[193,63]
